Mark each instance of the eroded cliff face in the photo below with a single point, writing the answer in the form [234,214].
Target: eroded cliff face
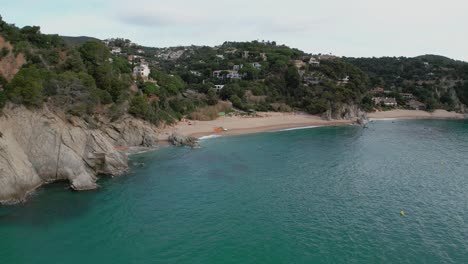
[38,147]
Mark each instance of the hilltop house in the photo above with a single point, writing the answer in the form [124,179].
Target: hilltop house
[314,62]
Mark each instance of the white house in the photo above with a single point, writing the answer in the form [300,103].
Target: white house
[256,65]
[219,87]
[116,50]
[142,71]
[345,80]
[196,73]
[233,75]
[237,67]
[314,62]
[387,101]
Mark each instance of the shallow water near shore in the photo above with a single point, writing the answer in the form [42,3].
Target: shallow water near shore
[319,195]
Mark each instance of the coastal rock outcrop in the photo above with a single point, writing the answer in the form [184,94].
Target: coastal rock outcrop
[38,147]
[345,112]
[181,140]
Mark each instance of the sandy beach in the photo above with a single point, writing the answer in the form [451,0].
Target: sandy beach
[266,121]
[415,114]
[273,121]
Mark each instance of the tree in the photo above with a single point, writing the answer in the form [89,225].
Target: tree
[139,106]
[151,88]
[212,98]
[27,87]
[292,77]
[2,99]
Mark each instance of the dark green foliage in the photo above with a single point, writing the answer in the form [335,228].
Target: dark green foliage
[173,84]
[140,107]
[151,89]
[430,78]
[4,52]
[211,98]
[27,87]
[3,99]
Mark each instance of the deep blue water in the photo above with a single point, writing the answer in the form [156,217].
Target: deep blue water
[321,195]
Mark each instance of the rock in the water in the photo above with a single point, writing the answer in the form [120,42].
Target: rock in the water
[181,140]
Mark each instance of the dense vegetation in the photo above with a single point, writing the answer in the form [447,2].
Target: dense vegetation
[437,81]
[80,76]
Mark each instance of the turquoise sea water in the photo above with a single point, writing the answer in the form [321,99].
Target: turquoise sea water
[322,195]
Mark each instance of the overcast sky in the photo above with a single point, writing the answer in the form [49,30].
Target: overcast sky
[342,27]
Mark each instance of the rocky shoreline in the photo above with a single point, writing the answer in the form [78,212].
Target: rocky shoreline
[39,147]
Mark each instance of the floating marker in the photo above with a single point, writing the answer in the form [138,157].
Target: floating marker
[402,213]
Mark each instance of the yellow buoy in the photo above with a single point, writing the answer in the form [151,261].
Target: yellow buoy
[402,212]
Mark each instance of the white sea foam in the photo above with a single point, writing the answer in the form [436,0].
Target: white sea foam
[210,136]
[384,119]
[298,128]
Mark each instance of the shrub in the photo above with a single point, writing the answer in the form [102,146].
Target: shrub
[27,87]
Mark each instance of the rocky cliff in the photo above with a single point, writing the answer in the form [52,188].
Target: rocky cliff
[344,112]
[39,147]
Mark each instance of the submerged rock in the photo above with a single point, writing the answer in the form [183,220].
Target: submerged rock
[177,139]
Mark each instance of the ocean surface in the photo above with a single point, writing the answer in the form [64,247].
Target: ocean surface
[318,195]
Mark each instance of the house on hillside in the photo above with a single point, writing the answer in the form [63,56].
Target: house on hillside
[116,50]
[263,56]
[314,62]
[196,73]
[345,80]
[387,101]
[142,71]
[245,55]
[416,105]
[233,75]
[257,65]
[311,80]
[407,96]
[377,90]
[218,87]
[237,67]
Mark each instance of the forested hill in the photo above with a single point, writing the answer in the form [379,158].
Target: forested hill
[84,77]
[438,81]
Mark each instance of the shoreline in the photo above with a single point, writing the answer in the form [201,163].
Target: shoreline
[236,125]
[274,121]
